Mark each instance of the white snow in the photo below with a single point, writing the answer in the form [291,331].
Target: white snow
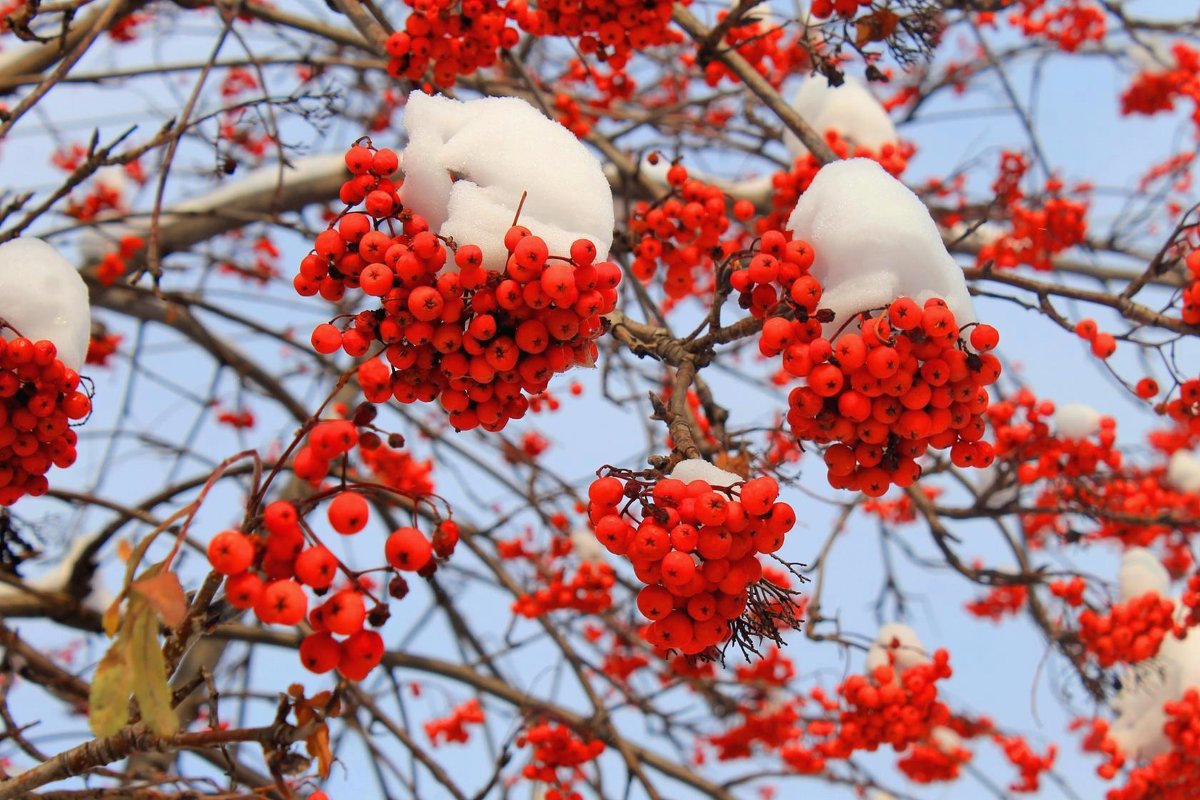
[849,109]
[43,297]
[1076,421]
[946,739]
[587,547]
[1183,471]
[904,645]
[697,469]
[467,164]
[874,242]
[1138,706]
[1141,572]
[57,579]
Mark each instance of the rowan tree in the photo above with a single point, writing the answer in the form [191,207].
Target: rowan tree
[565,399]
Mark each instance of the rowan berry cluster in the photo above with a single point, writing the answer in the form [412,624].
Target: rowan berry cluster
[1041,229]
[1130,632]
[896,708]
[587,590]
[999,602]
[454,727]
[1154,91]
[843,8]
[762,43]
[683,232]
[695,547]
[398,469]
[39,398]
[1173,775]
[1037,452]
[558,758]
[934,761]
[883,394]
[1027,761]
[274,565]
[113,265]
[480,342]
[101,347]
[1184,409]
[898,511]
[609,30]
[1067,23]
[455,38]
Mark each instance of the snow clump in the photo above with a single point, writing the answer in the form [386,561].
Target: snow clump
[1076,421]
[902,643]
[467,165]
[1141,572]
[43,297]
[849,109]
[1183,471]
[697,469]
[874,242]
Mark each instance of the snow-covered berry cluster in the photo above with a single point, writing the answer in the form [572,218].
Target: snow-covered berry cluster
[480,342]
[695,546]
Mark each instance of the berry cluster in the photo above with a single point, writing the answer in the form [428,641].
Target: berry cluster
[1067,23]
[39,397]
[558,757]
[1029,763]
[478,341]
[761,42]
[1170,775]
[272,567]
[113,265]
[1184,409]
[1040,230]
[695,547]
[999,602]
[611,30]
[456,38]
[1025,439]
[683,232]
[883,394]
[454,727]
[1155,91]
[1130,632]
[843,8]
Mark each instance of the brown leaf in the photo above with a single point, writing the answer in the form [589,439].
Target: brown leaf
[108,699]
[124,549]
[165,595]
[149,671]
[318,747]
[875,27]
[738,463]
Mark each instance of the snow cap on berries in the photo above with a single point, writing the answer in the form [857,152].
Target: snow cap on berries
[697,469]
[874,242]
[1142,572]
[902,643]
[1183,471]
[849,109]
[43,297]
[1076,421]
[467,165]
